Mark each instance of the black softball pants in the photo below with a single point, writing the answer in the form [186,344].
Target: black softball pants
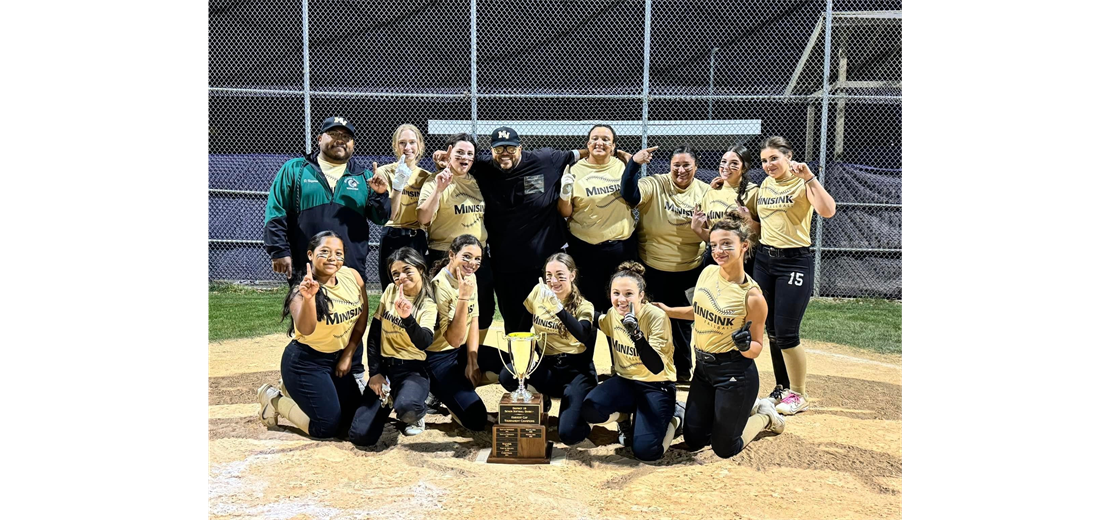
[670,289]
[513,285]
[596,264]
[722,393]
[651,404]
[408,387]
[447,373]
[569,378]
[787,283]
[484,277]
[394,239]
[328,401]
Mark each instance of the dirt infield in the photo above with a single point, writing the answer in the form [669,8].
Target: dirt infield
[840,459]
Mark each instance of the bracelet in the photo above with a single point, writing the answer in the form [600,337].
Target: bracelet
[810,179]
[464,299]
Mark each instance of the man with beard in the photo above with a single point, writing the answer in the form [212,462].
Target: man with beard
[328,191]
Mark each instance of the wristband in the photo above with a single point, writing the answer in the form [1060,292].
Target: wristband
[810,179]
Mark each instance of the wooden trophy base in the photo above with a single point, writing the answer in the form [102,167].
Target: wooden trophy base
[520,437]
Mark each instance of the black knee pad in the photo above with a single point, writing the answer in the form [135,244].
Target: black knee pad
[785,342]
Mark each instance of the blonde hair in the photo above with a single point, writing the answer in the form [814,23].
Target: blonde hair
[419,141]
[574,299]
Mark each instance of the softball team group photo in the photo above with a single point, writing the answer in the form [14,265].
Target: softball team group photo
[688,282]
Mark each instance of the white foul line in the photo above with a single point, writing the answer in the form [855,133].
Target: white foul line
[856,359]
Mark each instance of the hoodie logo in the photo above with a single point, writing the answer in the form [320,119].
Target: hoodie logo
[352,184]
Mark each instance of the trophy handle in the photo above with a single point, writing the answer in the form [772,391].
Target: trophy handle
[538,358]
[501,353]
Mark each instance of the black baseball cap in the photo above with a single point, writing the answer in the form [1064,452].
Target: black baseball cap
[503,136]
[335,121]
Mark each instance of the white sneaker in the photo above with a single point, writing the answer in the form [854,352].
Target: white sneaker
[778,422]
[792,403]
[415,428]
[268,413]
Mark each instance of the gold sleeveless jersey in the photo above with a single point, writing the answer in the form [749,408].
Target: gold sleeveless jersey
[544,319]
[395,341]
[720,307]
[447,298]
[717,203]
[461,211]
[599,213]
[410,195]
[656,328]
[666,241]
[334,331]
[785,213]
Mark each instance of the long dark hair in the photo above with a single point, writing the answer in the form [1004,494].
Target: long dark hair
[409,256]
[457,244]
[745,166]
[323,301]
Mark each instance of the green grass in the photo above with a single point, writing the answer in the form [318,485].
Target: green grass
[238,312]
[235,311]
[874,325]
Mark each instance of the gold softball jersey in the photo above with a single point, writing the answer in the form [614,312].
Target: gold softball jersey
[334,331]
[784,212]
[395,341]
[666,241]
[656,328]
[410,195]
[461,211]
[544,319]
[720,307]
[717,204]
[600,213]
[447,297]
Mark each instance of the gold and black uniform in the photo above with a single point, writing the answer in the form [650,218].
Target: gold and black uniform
[461,211]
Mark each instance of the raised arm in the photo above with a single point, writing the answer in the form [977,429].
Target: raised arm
[457,329]
[426,210]
[822,202]
[303,306]
[630,186]
[420,336]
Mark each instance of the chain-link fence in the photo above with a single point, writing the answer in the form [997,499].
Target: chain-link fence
[824,74]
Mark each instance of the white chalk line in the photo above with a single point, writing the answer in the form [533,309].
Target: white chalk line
[855,359]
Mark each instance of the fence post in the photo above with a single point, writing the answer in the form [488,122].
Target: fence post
[307,101]
[474,68]
[824,142]
[647,67]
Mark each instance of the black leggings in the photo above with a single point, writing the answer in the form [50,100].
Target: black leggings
[484,277]
[569,378]
[722,394]
[327,400]
[408,386]
[787,284]
[670,289]
[447,371]
[650,403]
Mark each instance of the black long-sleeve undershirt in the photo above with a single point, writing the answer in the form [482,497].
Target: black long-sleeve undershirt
[651,359]
[421,338]
[582,330]
[630,184]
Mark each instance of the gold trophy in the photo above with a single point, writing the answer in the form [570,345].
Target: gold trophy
[524,359]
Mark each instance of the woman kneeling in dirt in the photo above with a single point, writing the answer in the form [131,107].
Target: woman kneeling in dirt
[329,312]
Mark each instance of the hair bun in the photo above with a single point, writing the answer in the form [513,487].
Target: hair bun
[633,266]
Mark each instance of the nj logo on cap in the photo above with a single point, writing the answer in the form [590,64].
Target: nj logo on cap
[503,134]
[341,121]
